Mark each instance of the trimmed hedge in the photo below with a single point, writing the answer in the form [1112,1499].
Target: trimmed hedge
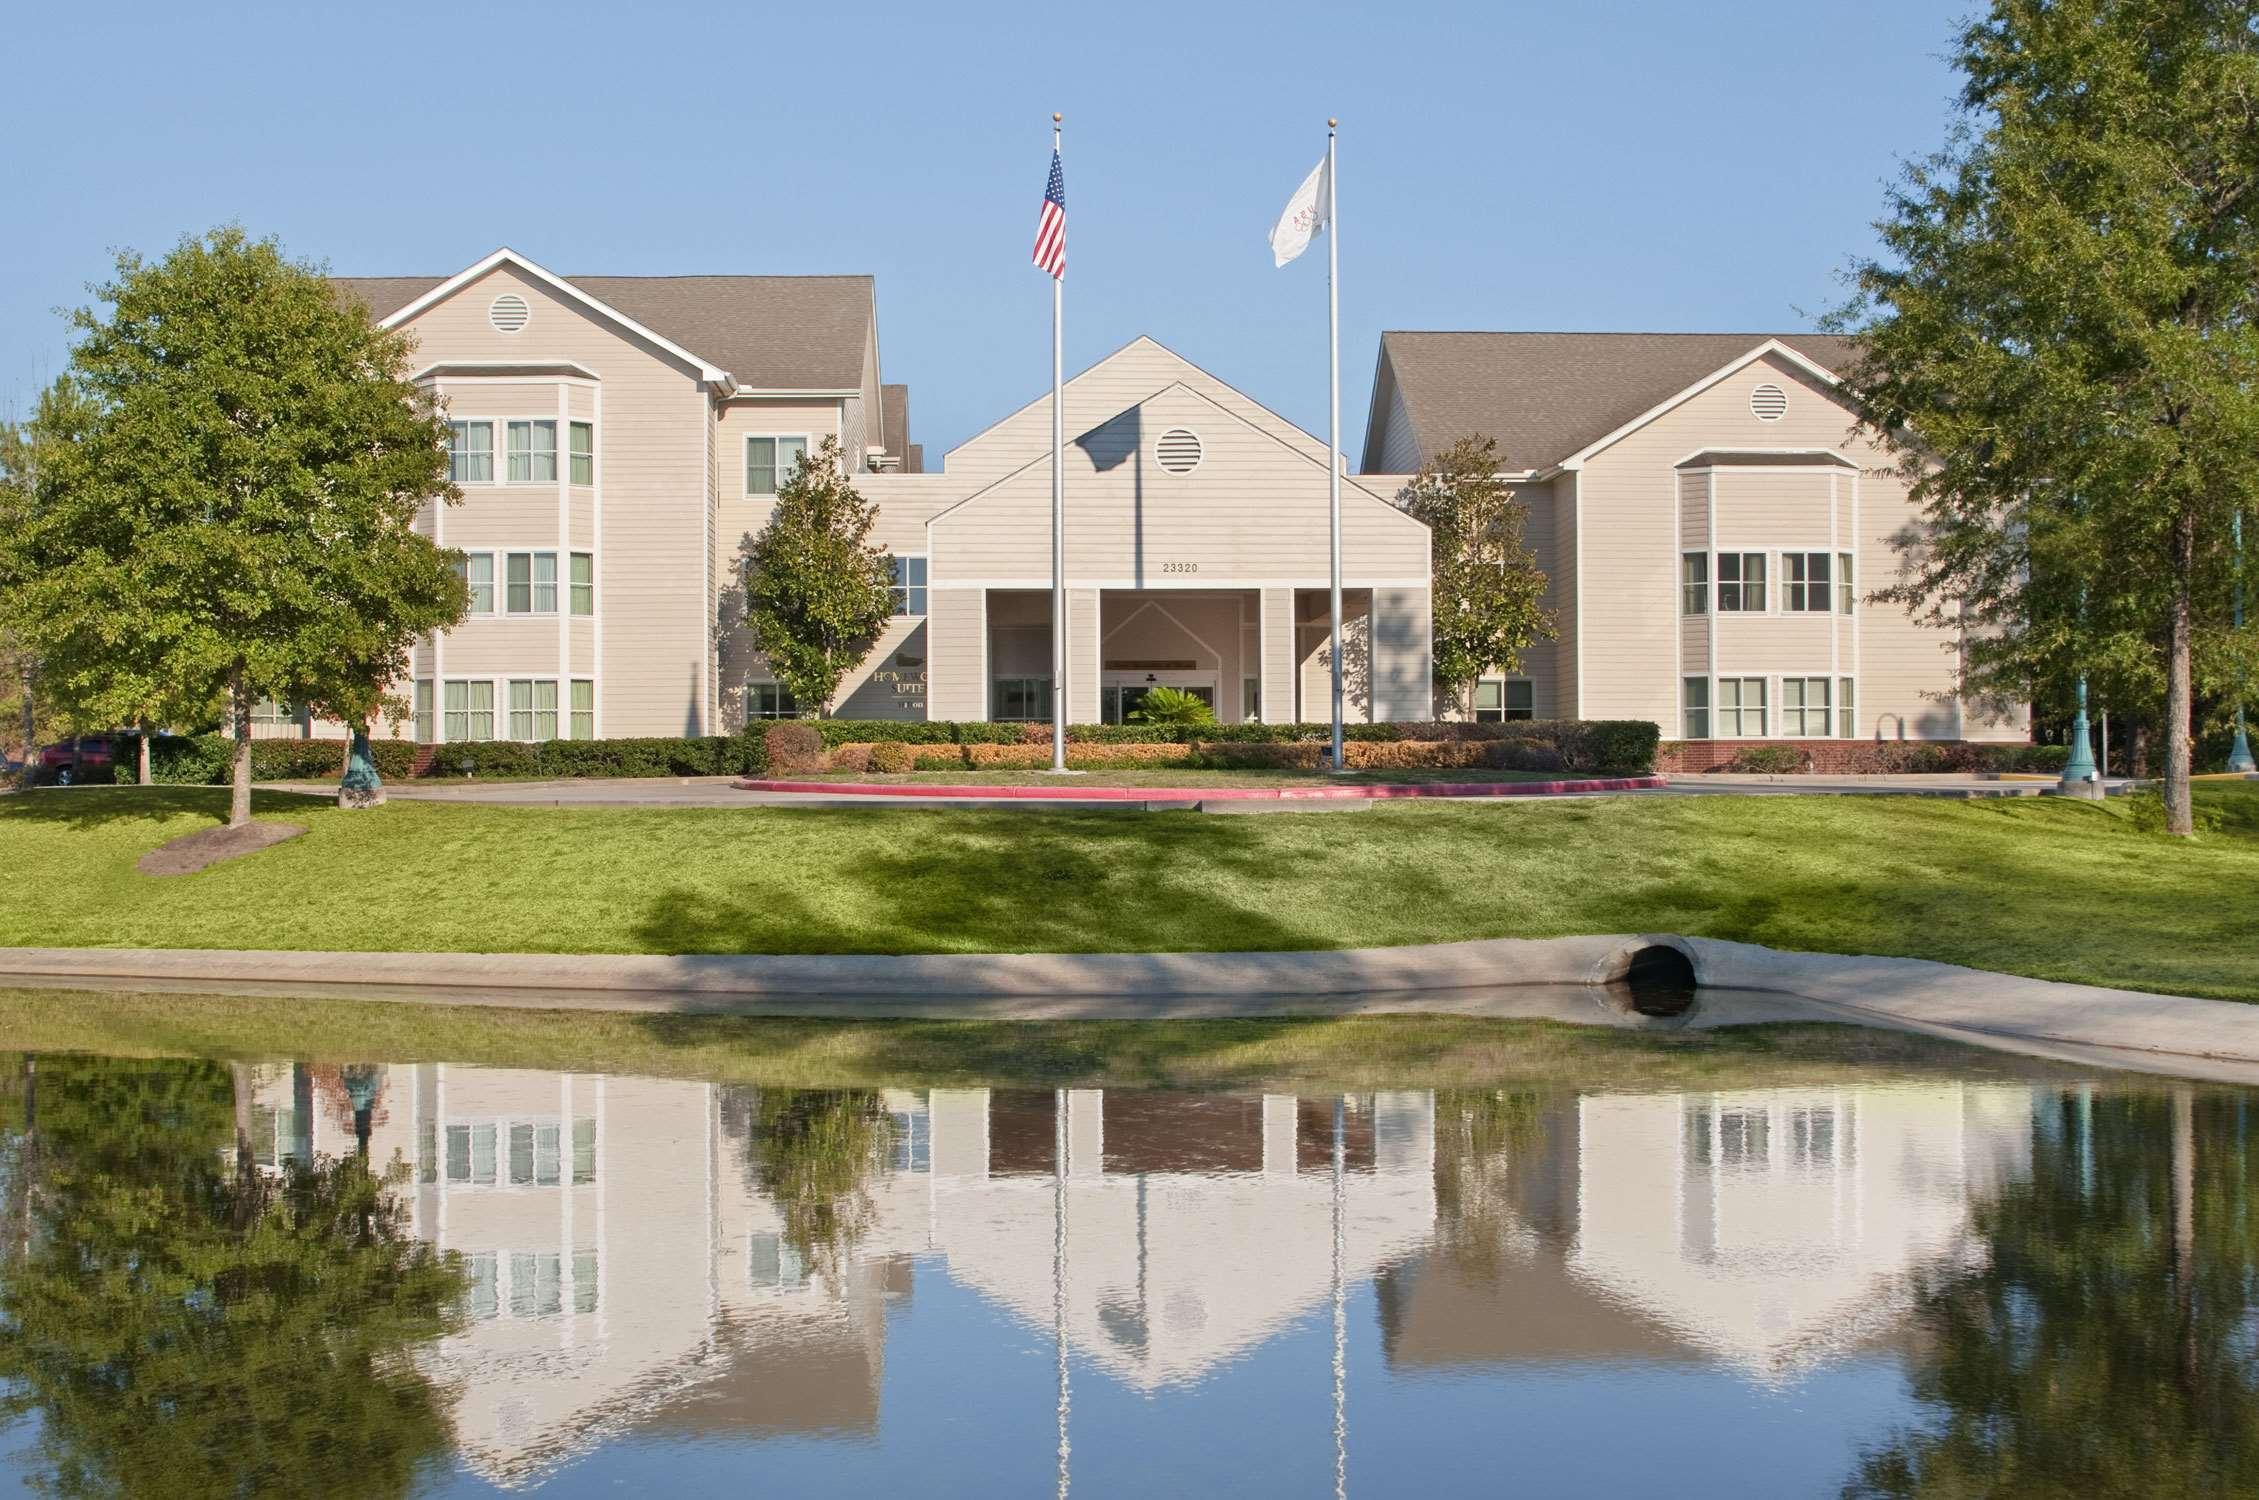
[208,759]
[1907,757]
[792,747]
[544,760]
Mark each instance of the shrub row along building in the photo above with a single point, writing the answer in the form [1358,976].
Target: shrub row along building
[1710,521]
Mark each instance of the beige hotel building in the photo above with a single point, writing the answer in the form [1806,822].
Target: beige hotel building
[1710,519]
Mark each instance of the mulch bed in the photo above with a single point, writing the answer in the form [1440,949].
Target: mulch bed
[206,847]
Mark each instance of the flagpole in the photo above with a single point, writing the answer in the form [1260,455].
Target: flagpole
[1333,427]
[1058,524]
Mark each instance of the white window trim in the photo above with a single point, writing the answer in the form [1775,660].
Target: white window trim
[1827,680]
[565,453]
[493,582]
[1772,581]
[563,710]
[501,429]
[745,455]
[1771,709]
[1780,562]
[904,589]
[502,554]
[494,463]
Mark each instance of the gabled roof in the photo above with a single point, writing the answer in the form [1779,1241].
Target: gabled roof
[767,333]
[1548,396]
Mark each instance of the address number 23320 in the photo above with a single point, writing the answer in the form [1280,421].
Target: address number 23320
[1180,567]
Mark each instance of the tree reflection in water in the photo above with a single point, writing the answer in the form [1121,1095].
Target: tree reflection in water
[2107,1346]
[185,1323]
[813,1153]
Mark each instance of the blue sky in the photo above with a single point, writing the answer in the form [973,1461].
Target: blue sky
[1617,166]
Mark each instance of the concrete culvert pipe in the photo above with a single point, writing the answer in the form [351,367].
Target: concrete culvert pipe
[1659,981]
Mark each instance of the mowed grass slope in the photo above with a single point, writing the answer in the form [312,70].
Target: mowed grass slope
[2045,887]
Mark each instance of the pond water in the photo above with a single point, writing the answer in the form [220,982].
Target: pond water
[1964,1281]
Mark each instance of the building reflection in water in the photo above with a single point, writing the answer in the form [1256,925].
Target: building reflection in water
[628,1271]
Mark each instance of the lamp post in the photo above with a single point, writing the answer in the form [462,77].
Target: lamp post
[2080,777]
[2239,754]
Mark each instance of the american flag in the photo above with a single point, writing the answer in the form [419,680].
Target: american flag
[1051,229]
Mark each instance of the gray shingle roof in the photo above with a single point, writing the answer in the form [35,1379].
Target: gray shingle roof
[786,333]
[1546,395]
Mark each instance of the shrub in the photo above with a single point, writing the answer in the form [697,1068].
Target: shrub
[1257,756]
[1008,757]
[1094,757]
[937,758]
[183,760]
[893,758]
[852,758]
[1610,747]
[793,747]
[981,732]
[1395,755]
[837,732]
[1118,734]
[1767,760]
[1513,755]
[713,755]
[1172,706]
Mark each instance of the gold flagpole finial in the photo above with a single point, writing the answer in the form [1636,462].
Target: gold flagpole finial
[1056,117]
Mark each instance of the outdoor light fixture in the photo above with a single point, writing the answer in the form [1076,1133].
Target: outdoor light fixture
[465,765]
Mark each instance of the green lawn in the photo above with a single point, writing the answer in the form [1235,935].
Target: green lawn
[2035,886]
[1352,1053]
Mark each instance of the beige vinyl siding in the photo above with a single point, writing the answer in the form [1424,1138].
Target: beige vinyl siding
[1277,655]
[1132,524]
[1567,589]
[956,661]
[1315,667]
[891,683]
[739,518]
[1138,370]
[1631,563]
[1402,670]
[1398,451]
[652,447]
[1083,656]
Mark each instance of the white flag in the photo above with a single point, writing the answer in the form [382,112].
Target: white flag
[1305,215]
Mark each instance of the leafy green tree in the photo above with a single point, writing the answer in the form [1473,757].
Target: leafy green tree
[2062,338]
[1168,705]
[244,461]
[184,1324]
[1487,590]
[817,592]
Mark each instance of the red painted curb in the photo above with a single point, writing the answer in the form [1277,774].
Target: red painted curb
[1214,794]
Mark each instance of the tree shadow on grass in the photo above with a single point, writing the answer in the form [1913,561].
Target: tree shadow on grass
[94,807]
[1038,883]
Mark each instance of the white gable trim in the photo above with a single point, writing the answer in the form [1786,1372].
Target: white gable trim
[711,373]
[1577,459]
[1352,482]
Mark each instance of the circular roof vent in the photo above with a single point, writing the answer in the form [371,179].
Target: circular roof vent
[1179,450]
[508,313]
[1768,403]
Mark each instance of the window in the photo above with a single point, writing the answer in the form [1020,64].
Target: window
[469,710]
[584,583]
[477,572]
[1694,583]
[470,452]
[772,1264]
[470,1154]
[1808,591]
[909,585]
[770,460]
[1804,707]
[1251,699]
[532,583]
[1744,1137]
[1847,714]
[1741,583]
[273,714]
[1846,597]
[1500,698]
[1025,699]
[533,709]
[768,700]
[1741,708]
[584,1151]
[533,1156]
[583,723]
[1694,709]
[584,1281]
[423,711]
[536,1284]
[533,452]
[582,437]
[1811,1136]
[483,1293]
